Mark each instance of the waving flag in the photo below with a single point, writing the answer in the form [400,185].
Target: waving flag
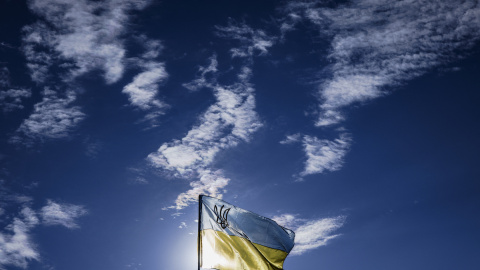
[232,238]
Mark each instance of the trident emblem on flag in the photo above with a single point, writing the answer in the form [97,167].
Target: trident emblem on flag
[221,216]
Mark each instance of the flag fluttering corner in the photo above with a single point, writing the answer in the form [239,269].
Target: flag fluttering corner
[231,238]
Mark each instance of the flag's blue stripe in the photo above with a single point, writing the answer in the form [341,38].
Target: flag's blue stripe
[243,223]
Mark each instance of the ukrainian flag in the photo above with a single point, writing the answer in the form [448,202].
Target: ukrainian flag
[231,238]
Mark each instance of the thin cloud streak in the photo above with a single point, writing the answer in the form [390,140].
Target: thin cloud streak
[310,234]
[62,214]
[321,154]
[291,138]
[379,43]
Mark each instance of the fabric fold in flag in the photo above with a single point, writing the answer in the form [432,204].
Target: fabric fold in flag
[231,238]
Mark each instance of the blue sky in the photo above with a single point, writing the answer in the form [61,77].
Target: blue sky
[354,123]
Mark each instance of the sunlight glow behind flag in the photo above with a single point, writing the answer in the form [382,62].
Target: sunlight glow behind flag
[231,238]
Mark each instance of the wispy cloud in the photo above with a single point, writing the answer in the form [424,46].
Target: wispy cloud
[211,182]
[8,197]
[380,43]
[310,234]
[143,91]
[17,247]
[6,45]
[324,155]
[374,45]
[292,138]
[230,120]
[11,98]
[74,38]
[85,33]
[206,76]
[92,147]
[62,214]
[251,40]
[321,154]
[52,118]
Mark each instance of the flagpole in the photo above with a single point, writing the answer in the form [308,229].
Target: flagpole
[199,255]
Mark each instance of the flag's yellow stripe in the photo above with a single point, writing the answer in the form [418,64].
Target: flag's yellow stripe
[225,252]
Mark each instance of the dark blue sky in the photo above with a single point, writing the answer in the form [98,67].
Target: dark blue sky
[354,123]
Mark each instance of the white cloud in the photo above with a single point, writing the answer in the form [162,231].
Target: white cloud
[315,233]
[203,79]
[230,120]
[74,38]
[292,138]
[251,40]
[211,182]
[86,33]
[29,217]
[324,155]
[11,97]
[289,221]
[16,246]
[143,89]
[52,118]
[62,214]
[310,234]
[152,47]
[182,225]
[36,48]
[379,43]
